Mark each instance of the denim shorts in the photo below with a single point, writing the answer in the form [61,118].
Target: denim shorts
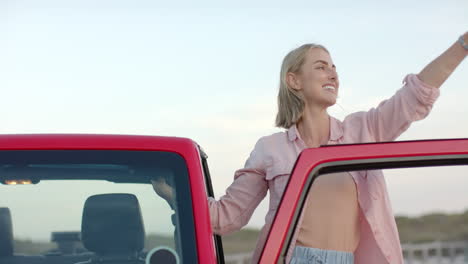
[307,255]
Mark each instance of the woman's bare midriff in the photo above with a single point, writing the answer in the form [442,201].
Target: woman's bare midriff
[331,216]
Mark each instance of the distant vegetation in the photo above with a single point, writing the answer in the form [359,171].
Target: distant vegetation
[433,227]
[426,228]
[242,241]
[34,248]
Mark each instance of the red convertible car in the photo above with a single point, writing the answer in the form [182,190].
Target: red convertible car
[89,198]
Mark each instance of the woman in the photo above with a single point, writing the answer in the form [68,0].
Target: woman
[355,228]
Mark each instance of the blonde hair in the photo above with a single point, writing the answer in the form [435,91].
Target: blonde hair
[290,102]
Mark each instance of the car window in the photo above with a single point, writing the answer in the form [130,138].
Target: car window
[431,219]
[71,206]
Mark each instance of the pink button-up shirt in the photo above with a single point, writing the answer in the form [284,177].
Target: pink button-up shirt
[271,162]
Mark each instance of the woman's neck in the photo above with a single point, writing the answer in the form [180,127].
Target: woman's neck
[314,127]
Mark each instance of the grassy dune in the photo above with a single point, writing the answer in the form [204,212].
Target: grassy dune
[433,227]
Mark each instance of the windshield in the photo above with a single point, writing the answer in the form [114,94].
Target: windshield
[71,206]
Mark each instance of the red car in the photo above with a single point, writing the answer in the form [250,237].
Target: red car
[89,198]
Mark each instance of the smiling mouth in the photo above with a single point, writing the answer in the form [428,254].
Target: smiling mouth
[329,88]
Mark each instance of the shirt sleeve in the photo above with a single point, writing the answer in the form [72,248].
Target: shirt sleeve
[392,117]
[234,209]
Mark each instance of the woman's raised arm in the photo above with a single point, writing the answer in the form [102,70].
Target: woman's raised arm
[436,72]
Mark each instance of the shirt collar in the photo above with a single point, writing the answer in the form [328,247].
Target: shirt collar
[292,133]
[336,130]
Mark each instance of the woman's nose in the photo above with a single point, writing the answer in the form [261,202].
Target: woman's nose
[333,75]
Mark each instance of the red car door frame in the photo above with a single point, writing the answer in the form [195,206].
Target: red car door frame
[366,156]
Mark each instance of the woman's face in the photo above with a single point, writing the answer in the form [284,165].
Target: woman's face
[317,79]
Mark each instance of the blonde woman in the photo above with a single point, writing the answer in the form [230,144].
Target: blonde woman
[341,224]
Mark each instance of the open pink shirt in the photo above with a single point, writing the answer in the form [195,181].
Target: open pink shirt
[271,162]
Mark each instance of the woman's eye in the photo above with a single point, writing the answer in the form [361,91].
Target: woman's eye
[321,67]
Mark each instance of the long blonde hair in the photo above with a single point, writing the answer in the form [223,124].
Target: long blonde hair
[290,102]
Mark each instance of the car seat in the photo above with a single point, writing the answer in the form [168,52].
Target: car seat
[6,233]
[112,228]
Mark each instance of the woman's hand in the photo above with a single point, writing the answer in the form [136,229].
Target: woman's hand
[164,190]
[465,37]
[436,72]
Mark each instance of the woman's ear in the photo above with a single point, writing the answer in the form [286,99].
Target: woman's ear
[293,81]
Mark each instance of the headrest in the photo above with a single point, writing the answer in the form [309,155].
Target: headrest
[112,223]
[6,233]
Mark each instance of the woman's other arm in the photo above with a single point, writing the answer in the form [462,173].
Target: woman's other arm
[234,209]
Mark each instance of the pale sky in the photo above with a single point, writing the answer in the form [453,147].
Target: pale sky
[208,70]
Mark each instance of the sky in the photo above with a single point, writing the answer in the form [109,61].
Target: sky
[208,70]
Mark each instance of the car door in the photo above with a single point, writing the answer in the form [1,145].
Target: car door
[442,194]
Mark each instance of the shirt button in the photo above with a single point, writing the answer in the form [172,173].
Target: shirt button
[376,232]
[388,257]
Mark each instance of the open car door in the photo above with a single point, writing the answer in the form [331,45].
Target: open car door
[425,179]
